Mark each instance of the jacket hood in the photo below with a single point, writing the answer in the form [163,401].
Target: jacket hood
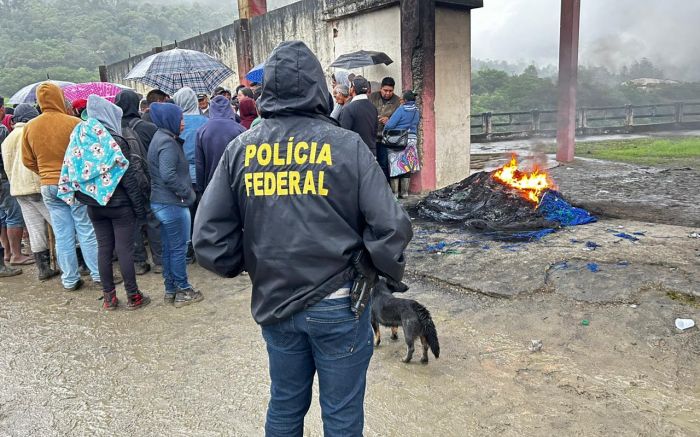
[294,83]
[341,77]
[166,116]
[24,112]
[50,98]
[106,112]
[186,99]
[220,107]
[129,102]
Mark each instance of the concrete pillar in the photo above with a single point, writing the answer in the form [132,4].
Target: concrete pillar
[247,9]
[103,73]
[418,74]
[568,73]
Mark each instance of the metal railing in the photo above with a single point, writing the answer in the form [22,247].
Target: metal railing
[589,121]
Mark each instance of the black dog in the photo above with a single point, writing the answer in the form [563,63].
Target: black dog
[415,319]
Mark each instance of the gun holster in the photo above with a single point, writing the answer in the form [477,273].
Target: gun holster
[365,280]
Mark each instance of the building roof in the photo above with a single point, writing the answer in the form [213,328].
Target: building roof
[461,4]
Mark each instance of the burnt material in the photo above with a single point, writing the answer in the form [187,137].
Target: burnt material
[480,203]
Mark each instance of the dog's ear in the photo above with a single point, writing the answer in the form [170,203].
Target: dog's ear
[396,287]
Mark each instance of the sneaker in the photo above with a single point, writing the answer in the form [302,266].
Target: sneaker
[142,268]
[7,271]
[137,300]
[169,299]
[110,301]
[187,296]
[78,285]
[157,268]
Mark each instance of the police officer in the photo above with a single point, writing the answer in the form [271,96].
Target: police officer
[292,202]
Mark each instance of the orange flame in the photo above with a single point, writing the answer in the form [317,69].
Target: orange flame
[530,185]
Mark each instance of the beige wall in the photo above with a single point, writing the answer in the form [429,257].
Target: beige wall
[452,94]
[378,30]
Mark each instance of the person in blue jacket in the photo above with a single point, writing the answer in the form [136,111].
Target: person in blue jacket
[404,162]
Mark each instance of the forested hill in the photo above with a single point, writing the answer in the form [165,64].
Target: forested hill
[69,39]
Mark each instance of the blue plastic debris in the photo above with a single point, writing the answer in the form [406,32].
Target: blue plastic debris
[532,235]
[554,208]
[626,236]
[486,247]
[593,267]
[561,265]
[573,240]
[434,248]
[592,245]
[639,233]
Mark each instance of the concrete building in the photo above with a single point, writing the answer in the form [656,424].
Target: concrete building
[429,41]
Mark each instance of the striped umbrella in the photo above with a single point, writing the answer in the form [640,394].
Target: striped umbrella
[103,89]
[28,93]
[177,68]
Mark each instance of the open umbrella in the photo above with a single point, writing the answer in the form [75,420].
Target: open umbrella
[177,68]
[362,58]
[256,74]
[28,93]
[103,89]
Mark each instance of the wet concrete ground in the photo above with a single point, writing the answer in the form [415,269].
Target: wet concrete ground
[69,369]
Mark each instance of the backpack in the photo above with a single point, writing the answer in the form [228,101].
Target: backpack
[138,159]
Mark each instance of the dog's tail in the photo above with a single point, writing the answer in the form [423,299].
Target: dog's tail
[428,327]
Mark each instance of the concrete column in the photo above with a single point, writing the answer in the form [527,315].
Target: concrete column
[247,9]
[418,74]
[568,73]
[103,73]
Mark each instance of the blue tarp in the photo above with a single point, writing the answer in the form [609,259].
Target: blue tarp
[556,209]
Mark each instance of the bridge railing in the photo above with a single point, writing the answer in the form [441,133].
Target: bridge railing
[589,121]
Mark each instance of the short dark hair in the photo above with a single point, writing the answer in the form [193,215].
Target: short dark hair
[388,81]
[247,92]
[156,95]
[409,96]
[360,84]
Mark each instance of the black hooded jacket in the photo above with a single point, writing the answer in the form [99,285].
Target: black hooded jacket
[292,199]
[129,102]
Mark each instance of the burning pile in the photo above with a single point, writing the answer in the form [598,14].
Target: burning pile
[506,200]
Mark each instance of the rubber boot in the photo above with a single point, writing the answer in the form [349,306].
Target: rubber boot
[394,184]
[43,263]
[110,301]
[403,187]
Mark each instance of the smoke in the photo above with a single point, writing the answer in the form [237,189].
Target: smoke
[612,33]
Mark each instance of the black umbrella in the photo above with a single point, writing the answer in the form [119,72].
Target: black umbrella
[362,58]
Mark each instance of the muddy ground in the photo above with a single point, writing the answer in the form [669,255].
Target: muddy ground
[69,369]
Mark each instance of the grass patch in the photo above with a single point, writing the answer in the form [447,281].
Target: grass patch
[664,152]
[683,298]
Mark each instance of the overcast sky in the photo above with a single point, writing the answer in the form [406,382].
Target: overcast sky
[613,32]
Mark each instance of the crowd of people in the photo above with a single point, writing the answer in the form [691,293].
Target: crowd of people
[185,175]
[173,146]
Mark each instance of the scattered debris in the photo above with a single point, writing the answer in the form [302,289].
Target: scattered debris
[694,235]
[683,324]
[593,267]
[535,345]
[626,236]
[591,245]
[585,322]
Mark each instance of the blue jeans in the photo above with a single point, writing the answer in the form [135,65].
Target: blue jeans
[68,221]
[174,235]
[325,339]
[11,212]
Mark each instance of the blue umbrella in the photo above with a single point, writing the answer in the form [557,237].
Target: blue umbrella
[177,68]
[256,74]
[28,93]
